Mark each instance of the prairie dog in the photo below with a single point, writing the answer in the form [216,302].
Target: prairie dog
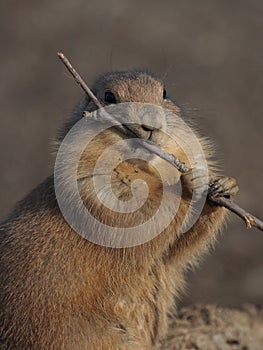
[61,291]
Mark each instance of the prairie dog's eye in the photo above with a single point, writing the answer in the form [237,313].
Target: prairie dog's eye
[164,94]
[110,97]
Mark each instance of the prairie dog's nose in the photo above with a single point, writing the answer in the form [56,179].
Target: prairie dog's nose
[147,132]
[142,131]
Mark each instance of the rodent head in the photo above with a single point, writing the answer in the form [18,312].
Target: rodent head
[134,86]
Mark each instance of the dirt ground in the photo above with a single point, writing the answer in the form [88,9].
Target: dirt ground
[209,52]
[209,327]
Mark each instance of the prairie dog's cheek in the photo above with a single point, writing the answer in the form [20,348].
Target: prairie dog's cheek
[158,138]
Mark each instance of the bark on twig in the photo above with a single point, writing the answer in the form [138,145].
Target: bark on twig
[249,219]
[78,79]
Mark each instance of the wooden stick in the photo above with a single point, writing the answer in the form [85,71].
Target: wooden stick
[249,219]
[78,79]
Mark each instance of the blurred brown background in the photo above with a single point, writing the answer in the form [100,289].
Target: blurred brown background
[210,55]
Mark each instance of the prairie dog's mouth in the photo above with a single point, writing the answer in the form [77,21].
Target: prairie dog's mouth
[142,131]
[136,131]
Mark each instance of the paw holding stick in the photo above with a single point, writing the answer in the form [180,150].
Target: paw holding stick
[220,190]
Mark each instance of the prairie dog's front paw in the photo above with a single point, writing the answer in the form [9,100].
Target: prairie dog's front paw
[223,187]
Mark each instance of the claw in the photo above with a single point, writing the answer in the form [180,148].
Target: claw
[223,187]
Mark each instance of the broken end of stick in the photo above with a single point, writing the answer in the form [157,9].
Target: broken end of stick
[60,54]
[85,114]
[250,221]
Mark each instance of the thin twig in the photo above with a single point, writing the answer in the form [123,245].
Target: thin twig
[78,79]
[249,219]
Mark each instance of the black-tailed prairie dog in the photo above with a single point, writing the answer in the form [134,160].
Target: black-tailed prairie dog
[61,291]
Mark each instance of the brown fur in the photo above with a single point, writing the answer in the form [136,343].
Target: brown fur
[59,291]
